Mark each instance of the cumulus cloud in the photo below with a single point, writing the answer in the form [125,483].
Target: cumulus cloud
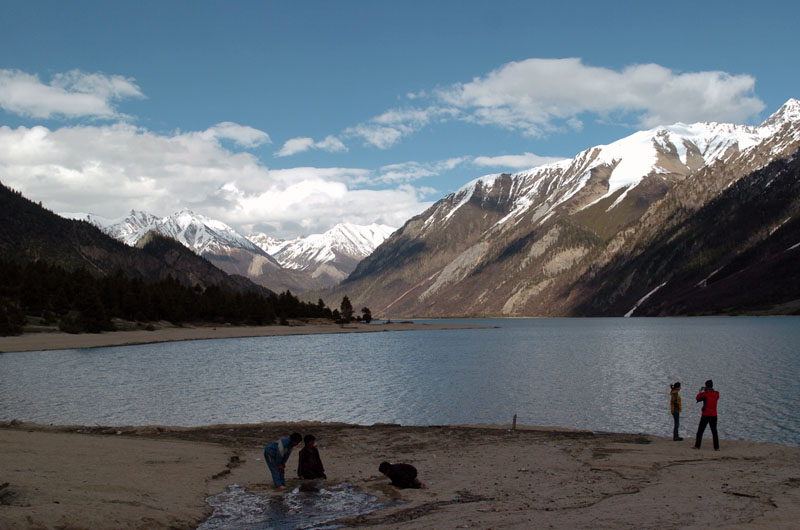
[108,170]
[536,95]
[69,95]
[524,161]
[302,144]
[542,96]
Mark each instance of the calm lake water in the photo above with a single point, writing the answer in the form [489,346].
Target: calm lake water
[604,374]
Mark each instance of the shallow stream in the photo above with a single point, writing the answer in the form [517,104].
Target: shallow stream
[239,509]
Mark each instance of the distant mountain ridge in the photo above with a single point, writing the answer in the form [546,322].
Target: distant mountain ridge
[311,262]
[334,253]
[549,240]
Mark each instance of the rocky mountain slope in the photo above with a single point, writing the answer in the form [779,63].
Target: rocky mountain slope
[572,238]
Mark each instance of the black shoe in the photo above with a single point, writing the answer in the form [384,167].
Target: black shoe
[677,439]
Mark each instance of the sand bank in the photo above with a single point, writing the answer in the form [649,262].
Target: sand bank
[477,477]
[63,341]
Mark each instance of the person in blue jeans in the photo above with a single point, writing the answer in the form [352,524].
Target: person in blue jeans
[276,454]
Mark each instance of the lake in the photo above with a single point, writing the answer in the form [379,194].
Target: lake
[601,374]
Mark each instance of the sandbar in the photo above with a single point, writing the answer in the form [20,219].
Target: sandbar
[477,476]
[67,341]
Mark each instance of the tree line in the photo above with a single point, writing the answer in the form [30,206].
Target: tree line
[79,302]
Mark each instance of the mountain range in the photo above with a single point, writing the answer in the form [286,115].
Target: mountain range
[697,218]
[32,233]
[313,262]
[685,219]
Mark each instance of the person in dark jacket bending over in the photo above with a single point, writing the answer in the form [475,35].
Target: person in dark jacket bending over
[401,475]
[309,464]
[709,397]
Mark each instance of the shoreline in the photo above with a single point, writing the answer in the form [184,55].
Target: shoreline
[123,477]
[65,341]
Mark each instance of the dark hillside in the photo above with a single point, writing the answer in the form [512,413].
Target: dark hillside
[33,233]
[738,254]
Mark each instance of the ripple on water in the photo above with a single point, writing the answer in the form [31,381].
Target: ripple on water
[236,508]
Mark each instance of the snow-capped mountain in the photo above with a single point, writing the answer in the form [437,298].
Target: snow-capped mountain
[312,262]
[669,153]
[194,231]
[355,241]
[128,229]
[537,242]
[333,254]
[268,244]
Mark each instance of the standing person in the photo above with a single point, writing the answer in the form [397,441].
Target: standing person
[709,397]
[401,475]
[675,409]
[309,464]
[276,454]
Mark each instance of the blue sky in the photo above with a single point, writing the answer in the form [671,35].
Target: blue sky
[289,117]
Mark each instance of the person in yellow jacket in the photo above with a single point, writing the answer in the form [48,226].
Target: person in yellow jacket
[675,409]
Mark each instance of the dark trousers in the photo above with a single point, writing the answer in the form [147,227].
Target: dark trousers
[676,416]
[711,421]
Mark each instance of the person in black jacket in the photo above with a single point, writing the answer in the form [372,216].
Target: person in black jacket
[401,475]
[309,464]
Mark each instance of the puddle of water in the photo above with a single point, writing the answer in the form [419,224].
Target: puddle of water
[239,509]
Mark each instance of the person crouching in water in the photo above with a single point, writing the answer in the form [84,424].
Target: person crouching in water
[675,409]
[276,454]
[309,464]
[401,475]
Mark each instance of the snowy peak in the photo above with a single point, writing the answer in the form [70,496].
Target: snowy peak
[128,229]
[194,231]
[345,240]
[202,234]
[789,112]
[268,244]
[673,151]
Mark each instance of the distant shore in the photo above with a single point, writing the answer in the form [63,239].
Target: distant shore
[477,476]
[67,341]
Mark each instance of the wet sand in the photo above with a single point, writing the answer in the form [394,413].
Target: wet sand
[477,476]
[64,341]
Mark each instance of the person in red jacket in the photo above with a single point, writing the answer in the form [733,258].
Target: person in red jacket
[709,397]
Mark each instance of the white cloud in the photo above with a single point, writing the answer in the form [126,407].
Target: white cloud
[535,95]
[302,144]
[524,161]
[72,94]
[108,170]
[540,96]
[409,171]
[295,145]
[387,129]
[241,134]
[331,144]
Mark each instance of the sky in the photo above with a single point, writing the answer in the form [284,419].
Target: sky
[289,117]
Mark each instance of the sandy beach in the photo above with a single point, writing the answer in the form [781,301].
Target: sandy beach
[477,476]
[55,340]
